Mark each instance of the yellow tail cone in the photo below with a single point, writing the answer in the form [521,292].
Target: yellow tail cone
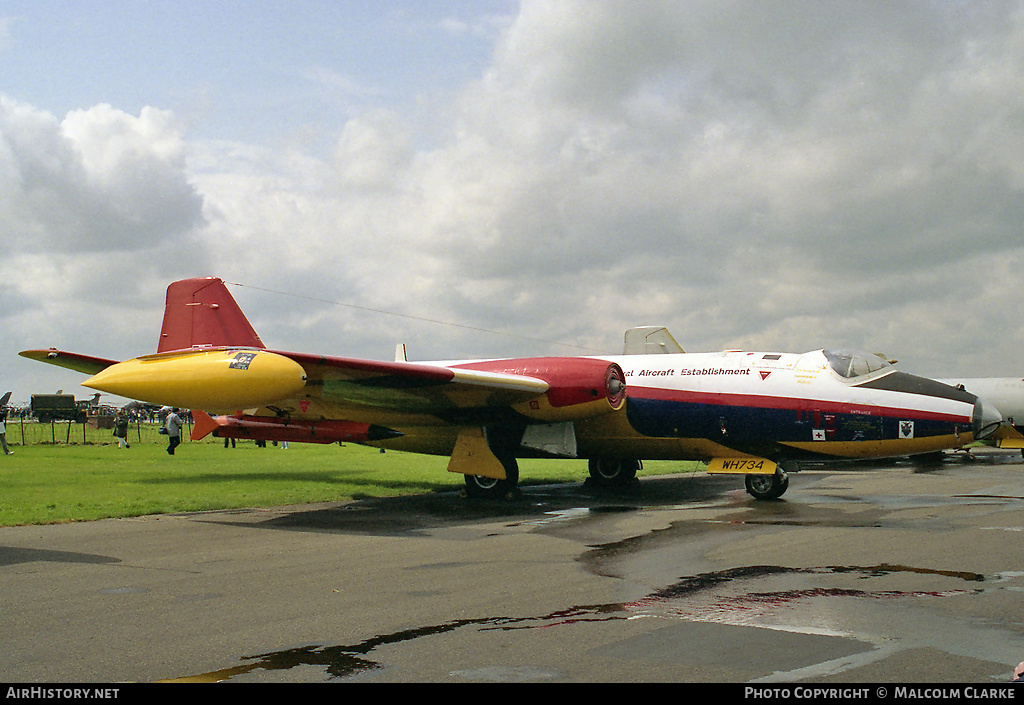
[214,380]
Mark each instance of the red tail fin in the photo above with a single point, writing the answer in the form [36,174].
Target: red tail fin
[202,312]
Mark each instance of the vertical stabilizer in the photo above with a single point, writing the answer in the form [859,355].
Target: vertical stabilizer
[202,312]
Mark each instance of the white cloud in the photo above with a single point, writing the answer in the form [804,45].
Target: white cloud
[94,209]
[100,180]
[673,163]
[774,175]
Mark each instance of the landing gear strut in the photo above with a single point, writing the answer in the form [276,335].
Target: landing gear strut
[768,486]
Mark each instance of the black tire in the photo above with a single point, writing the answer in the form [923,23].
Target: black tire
[767,486]
[612,472]
[480,487]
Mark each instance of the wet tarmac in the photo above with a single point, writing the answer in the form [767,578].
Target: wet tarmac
[869,573]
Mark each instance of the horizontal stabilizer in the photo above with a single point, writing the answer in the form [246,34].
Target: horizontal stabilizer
[72,361]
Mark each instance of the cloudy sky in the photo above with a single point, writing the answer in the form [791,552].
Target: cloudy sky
[516,178]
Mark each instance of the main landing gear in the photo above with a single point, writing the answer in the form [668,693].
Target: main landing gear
[768,486]
[480,487]
[613,472]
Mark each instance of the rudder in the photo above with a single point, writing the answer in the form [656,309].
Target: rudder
[202,312]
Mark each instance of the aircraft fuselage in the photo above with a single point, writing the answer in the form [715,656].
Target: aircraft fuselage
[773,405]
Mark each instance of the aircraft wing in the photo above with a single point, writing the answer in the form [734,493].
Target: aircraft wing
[72,361]
[303,385]
[1007,437]
[208,357]
[412,387]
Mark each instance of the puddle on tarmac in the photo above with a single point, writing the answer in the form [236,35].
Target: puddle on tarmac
[785,602]
[566,515]
[692,598]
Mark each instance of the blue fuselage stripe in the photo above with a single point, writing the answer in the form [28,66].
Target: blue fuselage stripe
[742,425]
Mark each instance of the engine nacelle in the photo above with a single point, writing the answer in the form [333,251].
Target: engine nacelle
[579,388]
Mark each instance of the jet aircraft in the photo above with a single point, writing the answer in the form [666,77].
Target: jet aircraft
[755,414]
[1007,395]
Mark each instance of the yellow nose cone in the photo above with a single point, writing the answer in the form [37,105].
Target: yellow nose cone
[213,380]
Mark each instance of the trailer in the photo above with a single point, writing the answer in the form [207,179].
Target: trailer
[56,407]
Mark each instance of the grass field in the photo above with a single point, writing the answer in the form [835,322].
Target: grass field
[50,483]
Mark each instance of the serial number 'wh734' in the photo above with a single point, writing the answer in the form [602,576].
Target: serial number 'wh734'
[742,466]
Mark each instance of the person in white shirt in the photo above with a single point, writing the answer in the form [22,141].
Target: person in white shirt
[173,423]
[3,431]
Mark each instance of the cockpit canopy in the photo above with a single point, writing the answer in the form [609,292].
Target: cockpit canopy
[852,363]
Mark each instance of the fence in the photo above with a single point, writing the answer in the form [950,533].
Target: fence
[30,432]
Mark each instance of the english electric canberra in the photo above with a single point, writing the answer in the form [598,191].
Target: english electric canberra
[748,413]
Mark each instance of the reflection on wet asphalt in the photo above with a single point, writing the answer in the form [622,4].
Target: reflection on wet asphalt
[869,574]
[343,660]
[775,597]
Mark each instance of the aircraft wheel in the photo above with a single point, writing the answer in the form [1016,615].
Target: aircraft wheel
[480,487]
[613,471]
[767,486]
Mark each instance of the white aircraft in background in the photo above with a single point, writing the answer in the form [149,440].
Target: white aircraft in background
[1005,394]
